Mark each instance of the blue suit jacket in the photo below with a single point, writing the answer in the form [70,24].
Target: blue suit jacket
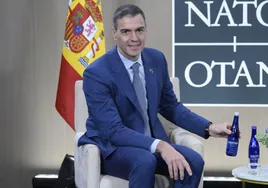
[114,118]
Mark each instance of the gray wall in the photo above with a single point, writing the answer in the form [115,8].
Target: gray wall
[34,138]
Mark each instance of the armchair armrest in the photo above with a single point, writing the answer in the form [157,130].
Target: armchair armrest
[182,137]
[87,164]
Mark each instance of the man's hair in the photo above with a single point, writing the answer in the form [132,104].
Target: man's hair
[127,10]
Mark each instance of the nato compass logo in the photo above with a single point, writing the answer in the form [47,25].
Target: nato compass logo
[220,52]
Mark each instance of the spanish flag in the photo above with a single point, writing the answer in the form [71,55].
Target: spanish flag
[83,43]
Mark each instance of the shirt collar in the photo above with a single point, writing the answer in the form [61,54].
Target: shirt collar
[128,63]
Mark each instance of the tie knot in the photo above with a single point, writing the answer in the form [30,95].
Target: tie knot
[135,67]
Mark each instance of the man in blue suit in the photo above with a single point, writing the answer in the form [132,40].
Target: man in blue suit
[124,90]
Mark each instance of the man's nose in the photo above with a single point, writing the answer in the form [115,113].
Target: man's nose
[134,36]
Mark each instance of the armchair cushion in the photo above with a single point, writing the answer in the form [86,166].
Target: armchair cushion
[87,170]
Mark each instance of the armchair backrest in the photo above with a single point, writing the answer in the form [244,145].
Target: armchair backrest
[176,86]
[80,109]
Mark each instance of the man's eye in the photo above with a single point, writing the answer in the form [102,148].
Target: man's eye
[125,31]
[140,30]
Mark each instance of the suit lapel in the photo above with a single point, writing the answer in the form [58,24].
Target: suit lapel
[151,85]
[122,79]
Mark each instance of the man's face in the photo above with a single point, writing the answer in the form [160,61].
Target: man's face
[130,36]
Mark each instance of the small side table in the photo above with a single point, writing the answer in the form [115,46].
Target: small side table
[242,174]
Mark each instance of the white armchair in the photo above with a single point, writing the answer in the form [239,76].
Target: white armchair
[87,157]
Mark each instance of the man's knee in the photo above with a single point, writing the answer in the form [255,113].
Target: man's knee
[146,163]
[194,158]
[198,162]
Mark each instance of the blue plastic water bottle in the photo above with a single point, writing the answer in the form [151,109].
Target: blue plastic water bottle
[233,138]
[253,152]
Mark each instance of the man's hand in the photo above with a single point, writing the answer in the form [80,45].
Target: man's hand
[174,160]
[220,130]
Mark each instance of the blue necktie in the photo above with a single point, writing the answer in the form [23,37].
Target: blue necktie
[140,92]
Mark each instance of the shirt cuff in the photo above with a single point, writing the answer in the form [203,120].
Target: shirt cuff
[154,144]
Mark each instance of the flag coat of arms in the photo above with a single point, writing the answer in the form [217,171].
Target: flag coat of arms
[83,43]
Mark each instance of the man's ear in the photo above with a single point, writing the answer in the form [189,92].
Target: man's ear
[114,33]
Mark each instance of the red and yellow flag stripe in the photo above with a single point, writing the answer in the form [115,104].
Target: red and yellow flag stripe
[83,43]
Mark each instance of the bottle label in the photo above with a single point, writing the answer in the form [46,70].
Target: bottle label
[232,147]
[253,152]
[253,160]
[233,143]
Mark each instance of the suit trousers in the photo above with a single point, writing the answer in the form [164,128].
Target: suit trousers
[139,166]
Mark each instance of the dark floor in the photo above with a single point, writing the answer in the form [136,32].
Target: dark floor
[228,181]
[231,185]
[223,180]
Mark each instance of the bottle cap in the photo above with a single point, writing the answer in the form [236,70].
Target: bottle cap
[254,127]
[236,113]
